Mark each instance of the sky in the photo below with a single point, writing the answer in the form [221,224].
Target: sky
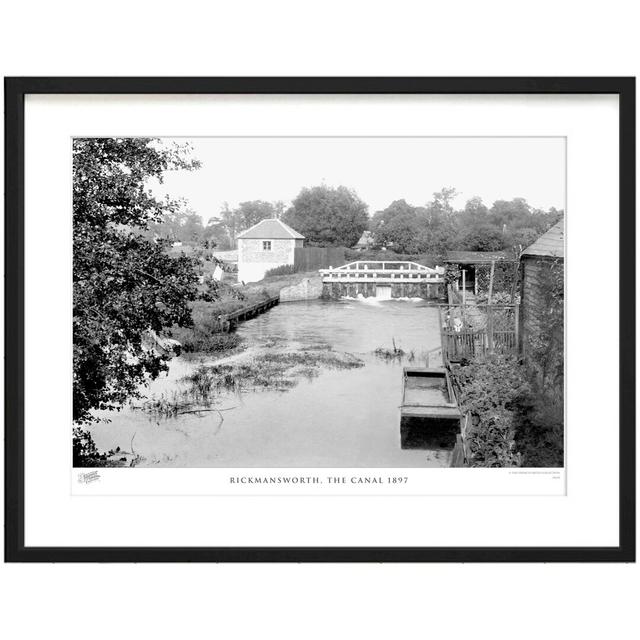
[380,170]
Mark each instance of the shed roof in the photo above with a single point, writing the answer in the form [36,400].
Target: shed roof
[550,244]
[271,229]
[476,257]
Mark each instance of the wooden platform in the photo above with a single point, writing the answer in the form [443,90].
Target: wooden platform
[229,321]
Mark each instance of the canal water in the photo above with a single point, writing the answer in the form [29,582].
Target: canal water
[333,417]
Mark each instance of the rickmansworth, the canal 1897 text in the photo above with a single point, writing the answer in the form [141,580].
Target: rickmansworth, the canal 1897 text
[318,480]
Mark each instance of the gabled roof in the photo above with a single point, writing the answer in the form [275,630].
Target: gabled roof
[476,257]
[365,239]
[271,229]
[550,244]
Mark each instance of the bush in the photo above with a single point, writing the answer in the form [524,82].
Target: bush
[282,270]
[490,390]
[512,424]
[85,453]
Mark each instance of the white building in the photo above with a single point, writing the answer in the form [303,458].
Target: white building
[268,244]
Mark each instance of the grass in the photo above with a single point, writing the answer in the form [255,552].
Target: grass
[196,342]
[309,359]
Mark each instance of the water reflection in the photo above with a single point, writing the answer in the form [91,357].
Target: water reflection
[431,434]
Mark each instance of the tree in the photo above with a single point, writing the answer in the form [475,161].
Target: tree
[253,211]
[124,285]
[176,226]
[191,228]
[216,233]
[521,238]
[402,233]
[482,237]
[399,226]
[475,209]
[514,212]
[328,216]
[442,200]
[233,221]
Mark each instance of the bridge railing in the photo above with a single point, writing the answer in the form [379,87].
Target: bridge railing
[382,271]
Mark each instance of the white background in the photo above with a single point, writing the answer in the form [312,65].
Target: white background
[328,38]
[586,516]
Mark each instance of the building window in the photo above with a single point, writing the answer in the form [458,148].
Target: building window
[266,245]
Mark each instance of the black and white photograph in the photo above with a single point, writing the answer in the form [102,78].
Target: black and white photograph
[310,302]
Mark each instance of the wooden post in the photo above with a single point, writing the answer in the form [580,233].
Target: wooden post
[493,267]
[516,310]
[490,329]
[464,285]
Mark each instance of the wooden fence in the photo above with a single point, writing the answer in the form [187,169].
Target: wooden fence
[472,331]
[314,258]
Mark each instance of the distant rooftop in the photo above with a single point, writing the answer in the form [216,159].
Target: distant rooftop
[550,244]
[365,239]
[476,257]
[271,229]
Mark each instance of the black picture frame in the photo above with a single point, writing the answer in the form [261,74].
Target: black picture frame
[15,91]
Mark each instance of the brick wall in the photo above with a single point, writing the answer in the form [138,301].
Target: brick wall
[254,261]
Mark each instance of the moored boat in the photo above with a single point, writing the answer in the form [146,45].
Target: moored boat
[427,393]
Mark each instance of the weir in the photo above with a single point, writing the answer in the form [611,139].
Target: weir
[384,279]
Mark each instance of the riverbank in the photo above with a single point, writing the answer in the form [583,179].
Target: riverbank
[205,336]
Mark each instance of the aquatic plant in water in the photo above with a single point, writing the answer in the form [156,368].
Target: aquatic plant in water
[267,371]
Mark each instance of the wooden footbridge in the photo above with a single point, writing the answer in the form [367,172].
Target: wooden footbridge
[230,321]
[365,277]
[383,272]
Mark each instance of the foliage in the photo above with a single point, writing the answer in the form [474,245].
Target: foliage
[224,228]
[540,434]
[545,347]
[399,226]
[328,216]
[437,227]
[482,237]
[123,284]
[282,270]
[408,229]
[512,423]
[425,259]
[85,453]
[254,211]
[204,334]
[492,391]
[208,341]
[176,226]
[506,277]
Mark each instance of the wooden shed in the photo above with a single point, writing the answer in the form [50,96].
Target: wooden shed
[472,264]
[542,274]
